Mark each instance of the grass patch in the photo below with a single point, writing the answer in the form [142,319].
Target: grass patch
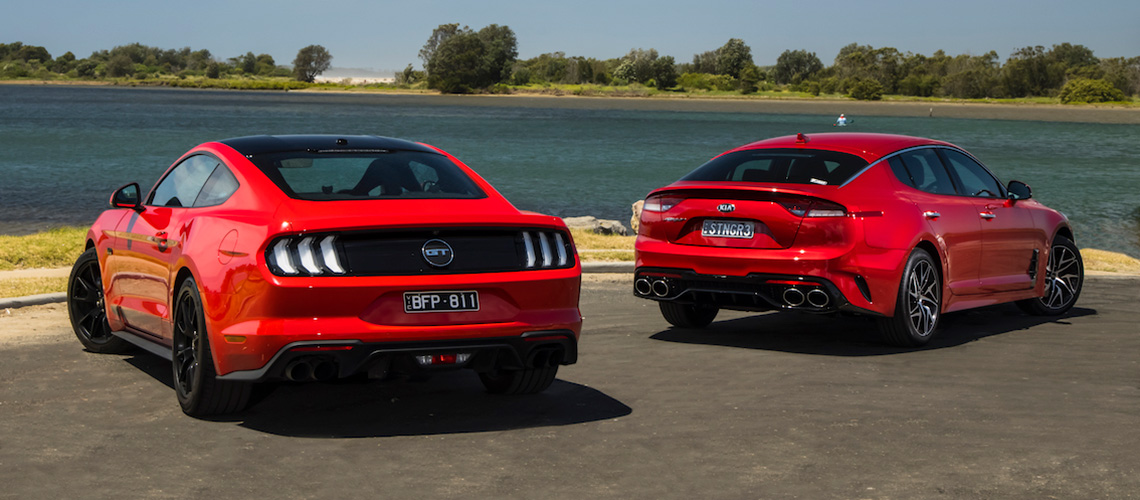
[1113,262]
[584,239]
[22,287]
[606,255]
[593,247]
[52,248]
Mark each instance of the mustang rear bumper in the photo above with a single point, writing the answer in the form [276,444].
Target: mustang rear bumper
[319,360]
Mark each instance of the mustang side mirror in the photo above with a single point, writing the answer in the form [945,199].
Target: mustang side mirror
[127,197]
[1019,190]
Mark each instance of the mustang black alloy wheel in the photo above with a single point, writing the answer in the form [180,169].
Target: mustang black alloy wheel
[688,315]
[919,304]
[199,391]
[1064,276]
[86,309]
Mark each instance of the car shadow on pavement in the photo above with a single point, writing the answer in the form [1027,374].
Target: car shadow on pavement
[855,336]
[447,403]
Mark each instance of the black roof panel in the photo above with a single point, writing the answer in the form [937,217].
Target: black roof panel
[258,144]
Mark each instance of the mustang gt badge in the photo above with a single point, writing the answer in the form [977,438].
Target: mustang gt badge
[726,207]
[437,253]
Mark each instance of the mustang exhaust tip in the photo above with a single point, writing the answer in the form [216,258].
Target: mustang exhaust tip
[310,370]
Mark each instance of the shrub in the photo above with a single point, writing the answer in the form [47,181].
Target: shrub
[1081,90]
[829,85]
[723,82]
[867,90]
[695,81]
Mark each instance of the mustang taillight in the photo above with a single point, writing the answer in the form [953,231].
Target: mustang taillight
[304,255]
[546,249]
[813,208]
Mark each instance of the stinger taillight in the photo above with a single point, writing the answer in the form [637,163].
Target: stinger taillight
[808,207]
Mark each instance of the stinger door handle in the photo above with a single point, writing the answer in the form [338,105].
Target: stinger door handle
[930,214]
[987,215]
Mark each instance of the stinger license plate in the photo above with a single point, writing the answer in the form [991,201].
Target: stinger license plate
[422,302]
[727,229]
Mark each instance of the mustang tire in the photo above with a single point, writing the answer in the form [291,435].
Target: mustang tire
[525,381]
[1064,276]
[199,391]
[86,309]
[688,315]
[919,304]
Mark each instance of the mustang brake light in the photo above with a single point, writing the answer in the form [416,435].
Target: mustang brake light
[282,259]
[545,249]
[304,256]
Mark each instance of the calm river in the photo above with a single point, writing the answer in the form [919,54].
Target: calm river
[64,149]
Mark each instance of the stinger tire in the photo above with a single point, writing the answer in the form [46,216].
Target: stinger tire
[1063,286]
[920,292]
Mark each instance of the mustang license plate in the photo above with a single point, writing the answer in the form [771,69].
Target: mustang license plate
[727,229]
[422,302]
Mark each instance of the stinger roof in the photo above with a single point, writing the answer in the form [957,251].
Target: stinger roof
[869,146]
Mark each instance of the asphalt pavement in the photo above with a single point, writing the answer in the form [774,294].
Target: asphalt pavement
[1001,405]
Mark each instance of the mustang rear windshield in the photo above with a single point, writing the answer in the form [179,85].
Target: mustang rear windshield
[366,174]
[780,166]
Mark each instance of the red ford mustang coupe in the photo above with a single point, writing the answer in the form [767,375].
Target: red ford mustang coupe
[900,228]
[309,258]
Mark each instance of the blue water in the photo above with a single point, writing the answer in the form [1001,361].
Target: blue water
[64,149]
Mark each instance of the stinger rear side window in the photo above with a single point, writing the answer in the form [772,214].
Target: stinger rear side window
[370,174]
[780,166]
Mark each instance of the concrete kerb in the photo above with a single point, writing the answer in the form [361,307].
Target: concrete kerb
[32,300]
[51,298]
[607,267]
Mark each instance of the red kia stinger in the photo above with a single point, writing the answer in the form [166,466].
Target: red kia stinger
[312,258]
[900,228]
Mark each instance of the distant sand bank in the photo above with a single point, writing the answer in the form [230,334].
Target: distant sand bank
[689,103]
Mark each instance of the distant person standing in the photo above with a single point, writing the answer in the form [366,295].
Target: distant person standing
[842,121]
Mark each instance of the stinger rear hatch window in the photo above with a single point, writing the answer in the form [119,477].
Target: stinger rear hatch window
[780,166]
[366,174]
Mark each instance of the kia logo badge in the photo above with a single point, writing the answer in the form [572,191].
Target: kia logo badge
[726,207]
[437,253]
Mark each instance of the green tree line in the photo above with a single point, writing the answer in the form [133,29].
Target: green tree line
[140,62]
[460,60]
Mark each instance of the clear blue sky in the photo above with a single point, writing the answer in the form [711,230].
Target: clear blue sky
[381,34]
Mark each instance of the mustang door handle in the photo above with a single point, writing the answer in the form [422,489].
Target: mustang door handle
[987,215]
[160,240]
[930,214]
